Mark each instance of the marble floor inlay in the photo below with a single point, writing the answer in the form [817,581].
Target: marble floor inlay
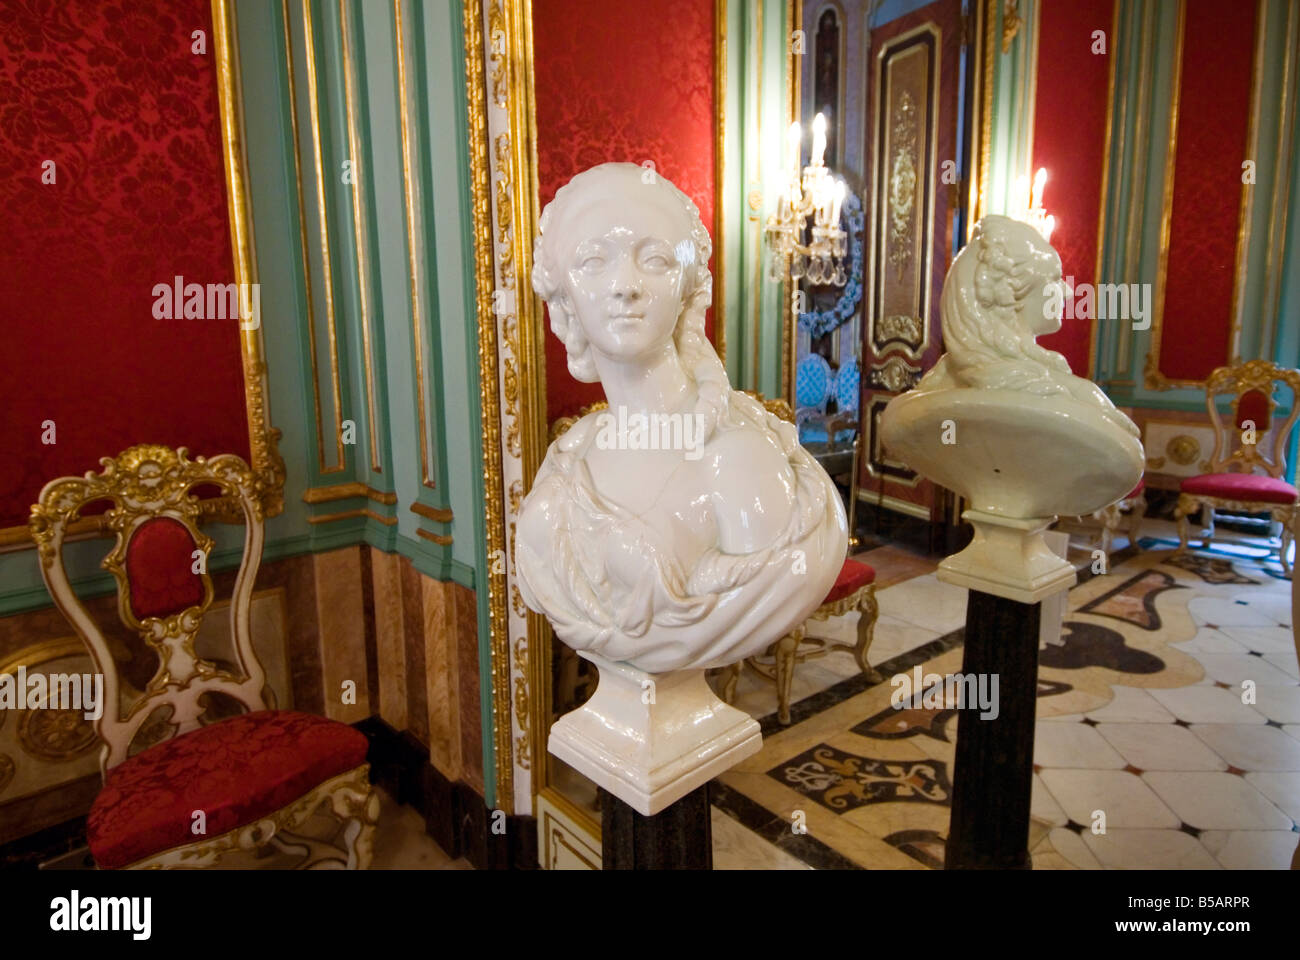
[1168,733]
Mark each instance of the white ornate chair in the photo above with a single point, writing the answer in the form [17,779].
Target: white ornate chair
[217,786]
[1238,447]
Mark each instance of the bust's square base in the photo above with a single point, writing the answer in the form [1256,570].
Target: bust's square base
[650,739]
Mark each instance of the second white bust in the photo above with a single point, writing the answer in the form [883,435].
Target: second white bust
[684,527]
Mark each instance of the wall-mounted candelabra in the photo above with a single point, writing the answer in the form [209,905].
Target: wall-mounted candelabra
[813,193]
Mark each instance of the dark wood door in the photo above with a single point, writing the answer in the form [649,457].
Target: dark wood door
[913,201]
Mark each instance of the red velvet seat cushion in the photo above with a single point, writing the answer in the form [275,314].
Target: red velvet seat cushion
[1136,490]
[235,771]
[1240,486]
[853,576]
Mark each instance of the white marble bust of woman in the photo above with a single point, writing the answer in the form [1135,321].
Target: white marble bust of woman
[684,527]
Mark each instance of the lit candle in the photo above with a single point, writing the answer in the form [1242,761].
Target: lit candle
[1049,225]
[1036,199]
[819,139]
[839,200]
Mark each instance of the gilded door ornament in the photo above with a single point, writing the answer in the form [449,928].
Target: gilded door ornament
[895,375]
[901,328]
[902,184]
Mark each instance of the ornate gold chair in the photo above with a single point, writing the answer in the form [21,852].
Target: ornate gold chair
[217,785]
[1238,447]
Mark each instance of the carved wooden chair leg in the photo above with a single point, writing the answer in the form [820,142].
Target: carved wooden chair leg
[1185,506]
[869,610]
[785,657]
[1108,517]
[357,805]
[1288,532]
[1135,520]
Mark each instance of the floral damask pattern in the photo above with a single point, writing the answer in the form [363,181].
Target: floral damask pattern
[111,180]
[160,570]
[1213,141]
[235,771]
[646,96]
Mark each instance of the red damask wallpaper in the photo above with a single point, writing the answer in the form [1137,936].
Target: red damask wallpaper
[1070,141]
[111,182]
[622,82]
[1213,125]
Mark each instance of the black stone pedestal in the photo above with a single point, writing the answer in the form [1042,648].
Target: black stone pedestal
[993,774]
[677,838]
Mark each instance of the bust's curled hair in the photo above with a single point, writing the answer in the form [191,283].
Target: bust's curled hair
[697,355]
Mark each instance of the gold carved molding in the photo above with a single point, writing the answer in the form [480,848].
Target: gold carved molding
[414,262]
[1011,24]
[263,439]
[313,106]
[489,386]
[343,491]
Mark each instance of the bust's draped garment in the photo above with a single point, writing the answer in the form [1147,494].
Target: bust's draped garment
[728,607]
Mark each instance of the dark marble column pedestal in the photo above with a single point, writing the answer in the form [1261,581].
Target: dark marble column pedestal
[993,773]
[679,837]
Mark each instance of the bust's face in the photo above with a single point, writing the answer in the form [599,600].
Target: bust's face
[625,271]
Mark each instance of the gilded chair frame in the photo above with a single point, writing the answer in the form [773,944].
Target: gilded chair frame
[144,483]
[1240,379]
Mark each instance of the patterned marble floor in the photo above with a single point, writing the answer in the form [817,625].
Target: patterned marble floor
[1140,717]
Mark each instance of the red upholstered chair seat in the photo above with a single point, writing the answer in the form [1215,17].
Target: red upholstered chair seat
[1240,486]
[854,575]
[1137,490]
[235,771]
